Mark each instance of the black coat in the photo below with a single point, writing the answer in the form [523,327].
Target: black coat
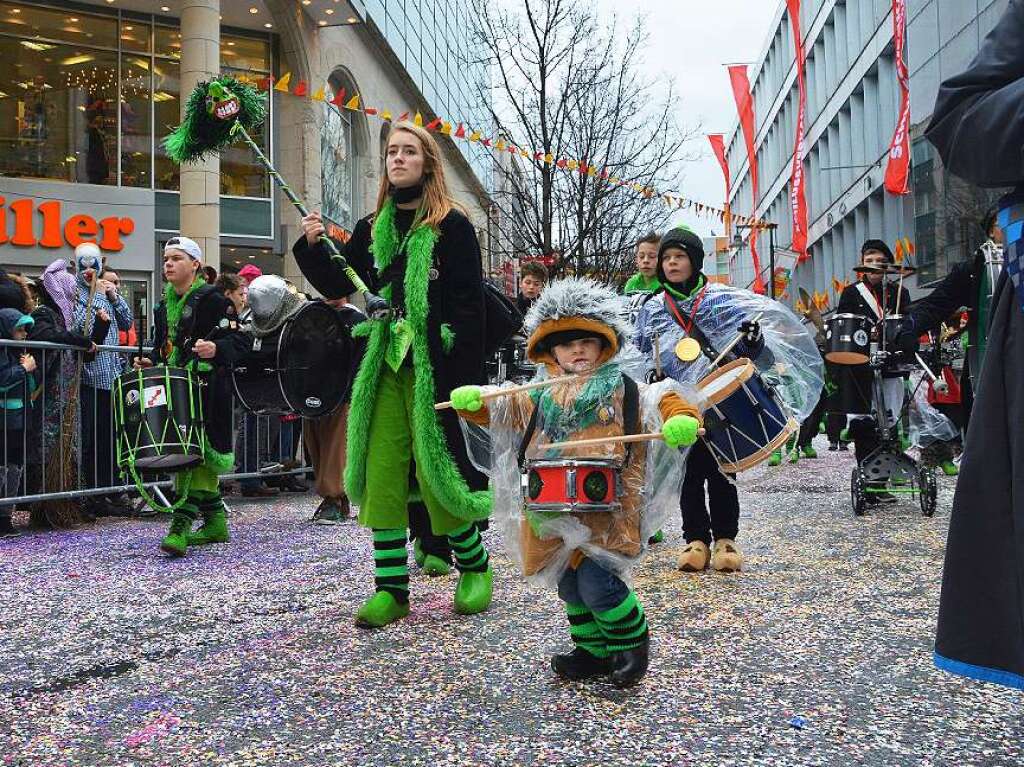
[961,287]
[455,298]
[11,296]
[208,315]
[978,129]
[977,124]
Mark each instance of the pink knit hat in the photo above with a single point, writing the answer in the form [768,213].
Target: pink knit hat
[250,272]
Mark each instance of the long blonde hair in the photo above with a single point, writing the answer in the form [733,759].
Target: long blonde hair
[437,201]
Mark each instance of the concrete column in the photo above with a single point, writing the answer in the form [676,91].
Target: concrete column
[200,182]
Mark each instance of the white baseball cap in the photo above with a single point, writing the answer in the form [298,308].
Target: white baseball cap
[185,245]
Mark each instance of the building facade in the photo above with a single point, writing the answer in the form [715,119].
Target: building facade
[851,112]
[852,106]
[89,91]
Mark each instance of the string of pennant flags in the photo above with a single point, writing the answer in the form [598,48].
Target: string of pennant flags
[459,130]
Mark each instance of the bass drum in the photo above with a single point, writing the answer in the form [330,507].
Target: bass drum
[304,368]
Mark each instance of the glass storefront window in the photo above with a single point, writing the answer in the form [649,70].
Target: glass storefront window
[63,97]
[245,54]
[167,42]
[135,36]
[167,114]
[58,112]
[33,22]
[136,133]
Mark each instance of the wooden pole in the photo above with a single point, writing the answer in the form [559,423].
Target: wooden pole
[517,389]
[617,440]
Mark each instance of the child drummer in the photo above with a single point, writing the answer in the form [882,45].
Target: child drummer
[575,328]
[684,326]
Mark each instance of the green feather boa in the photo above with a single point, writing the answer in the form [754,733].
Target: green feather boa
[213,460]
[436,462]
[599,390]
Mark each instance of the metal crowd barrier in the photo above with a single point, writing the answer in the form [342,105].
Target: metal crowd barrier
[264,446]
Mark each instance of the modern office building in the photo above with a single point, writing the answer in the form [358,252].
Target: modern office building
[945,36]
[852,105]
[89,90]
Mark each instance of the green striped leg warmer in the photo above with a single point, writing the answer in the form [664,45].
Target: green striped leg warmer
[468,548]
[624,626]
[586,633]
[391,563]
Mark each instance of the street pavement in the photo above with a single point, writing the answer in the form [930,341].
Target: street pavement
[819,653]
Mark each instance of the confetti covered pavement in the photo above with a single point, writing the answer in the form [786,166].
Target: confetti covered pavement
[245,654]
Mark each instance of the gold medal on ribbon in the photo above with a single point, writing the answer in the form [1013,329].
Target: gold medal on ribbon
[687,350]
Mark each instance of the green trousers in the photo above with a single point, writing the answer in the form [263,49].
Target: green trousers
[390,447]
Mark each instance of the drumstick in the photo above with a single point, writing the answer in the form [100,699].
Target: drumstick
[939,384]
[733,342]
[613,440]
[516,389]
[657,355]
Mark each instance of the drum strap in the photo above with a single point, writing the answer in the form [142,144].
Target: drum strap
[630,417]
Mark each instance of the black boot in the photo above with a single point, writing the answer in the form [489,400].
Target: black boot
[629,666]
[580,664]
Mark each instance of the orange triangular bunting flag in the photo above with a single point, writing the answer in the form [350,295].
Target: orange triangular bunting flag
[418,120]
[282,84]
[301,89]
[460,132]
[475,136]
[353,103]
[386,115]
[446,129]
[319,95]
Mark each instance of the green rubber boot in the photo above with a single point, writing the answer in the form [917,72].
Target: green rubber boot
[417,553]
[776,458]
[810,452]
[844,436]
[175,542]
[949,468]
[214,529]
[794,457]
[474,591]
[435,566]
[380,610]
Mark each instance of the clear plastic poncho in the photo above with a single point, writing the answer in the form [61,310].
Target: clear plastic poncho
[927,424]
[544,543]
[789,361]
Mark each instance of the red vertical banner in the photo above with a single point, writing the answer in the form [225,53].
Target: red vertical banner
[718,147]
[745,109]
[797,181]
[897,171]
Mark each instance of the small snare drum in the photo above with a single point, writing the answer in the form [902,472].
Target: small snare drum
[572,485]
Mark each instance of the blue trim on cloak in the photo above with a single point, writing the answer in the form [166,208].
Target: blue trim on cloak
[981,673]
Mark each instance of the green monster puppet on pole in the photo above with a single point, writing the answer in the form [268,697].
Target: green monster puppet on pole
[217,114]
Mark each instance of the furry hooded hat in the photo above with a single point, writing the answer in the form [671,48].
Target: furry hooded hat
[575,307]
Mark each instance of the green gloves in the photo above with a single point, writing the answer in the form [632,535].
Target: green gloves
[678,431]
[467,398]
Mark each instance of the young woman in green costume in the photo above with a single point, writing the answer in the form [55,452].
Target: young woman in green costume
[426,262]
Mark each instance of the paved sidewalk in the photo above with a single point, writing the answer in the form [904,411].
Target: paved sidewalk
[245,654]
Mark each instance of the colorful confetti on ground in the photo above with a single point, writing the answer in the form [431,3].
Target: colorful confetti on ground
[819,653]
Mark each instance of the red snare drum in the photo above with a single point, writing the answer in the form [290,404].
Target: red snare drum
[572,485]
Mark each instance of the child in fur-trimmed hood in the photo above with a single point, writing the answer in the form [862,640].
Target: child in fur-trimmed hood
[587,549]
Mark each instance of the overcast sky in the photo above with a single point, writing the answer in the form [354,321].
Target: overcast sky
[690,41]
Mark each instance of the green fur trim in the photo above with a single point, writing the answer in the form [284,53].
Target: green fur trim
[173,304]
[363,329]
[437,464]
[447,338]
